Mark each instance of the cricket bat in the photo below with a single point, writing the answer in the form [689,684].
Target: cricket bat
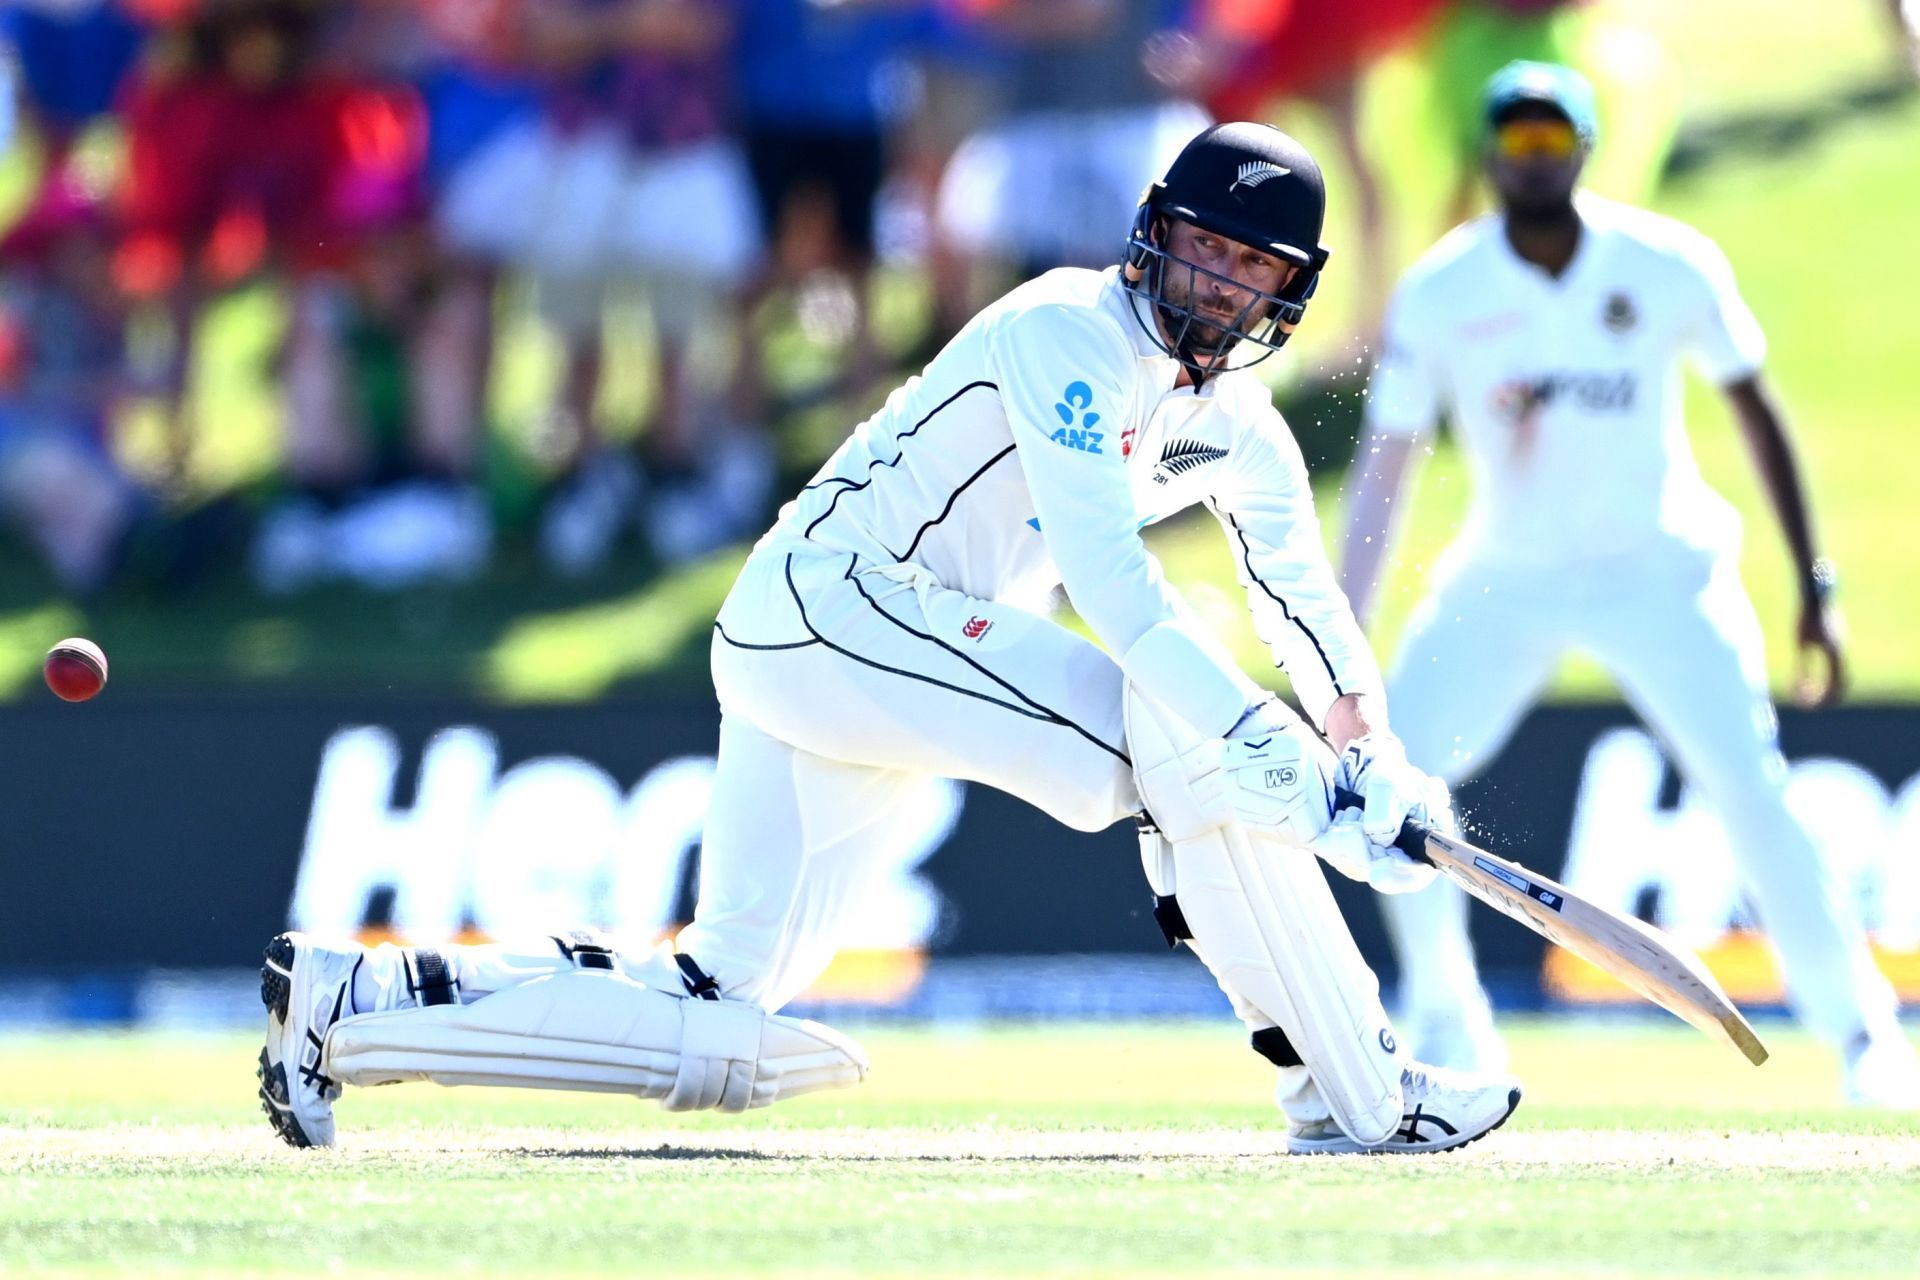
[1631,950]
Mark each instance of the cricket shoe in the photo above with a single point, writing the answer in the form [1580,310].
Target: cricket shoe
[1883,1071]
[1441,1110]
[306,988]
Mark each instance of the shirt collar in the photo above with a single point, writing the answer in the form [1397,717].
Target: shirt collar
[1596,230]
[1134,313]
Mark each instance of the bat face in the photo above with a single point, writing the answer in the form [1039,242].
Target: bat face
[1632,951]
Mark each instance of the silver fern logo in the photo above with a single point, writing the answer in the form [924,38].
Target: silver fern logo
[1182,456]
[1255,172]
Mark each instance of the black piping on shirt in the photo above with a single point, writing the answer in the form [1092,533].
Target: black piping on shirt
[742,644]
[1051,714]
[850,485]
[1032,710]
[952,498]
[1247,559]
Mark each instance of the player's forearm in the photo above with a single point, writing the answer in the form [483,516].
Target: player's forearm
[1186,671]
[1377,479]
[1298,609]
[1780,470]
[1118,589]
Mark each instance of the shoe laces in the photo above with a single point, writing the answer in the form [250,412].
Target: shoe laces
[1422,1079]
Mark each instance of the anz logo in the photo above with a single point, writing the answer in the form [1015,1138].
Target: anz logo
[1075,410]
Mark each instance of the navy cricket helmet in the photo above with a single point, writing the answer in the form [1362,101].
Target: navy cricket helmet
[1247,182]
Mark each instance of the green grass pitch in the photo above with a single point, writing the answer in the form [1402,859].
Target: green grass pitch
[1109,1150]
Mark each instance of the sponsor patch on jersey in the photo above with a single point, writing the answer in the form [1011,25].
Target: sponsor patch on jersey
[1182,456]
[1084,441]
[1075,408]
[975,627]
[1481,328]
[1077,399]
[1596,392]
[1619,315]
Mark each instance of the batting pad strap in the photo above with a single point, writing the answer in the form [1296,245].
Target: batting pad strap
[700,984]
[1173,925]
[601,1033]
[585,949]
[1190,675]
[430,977]
[1273,1045]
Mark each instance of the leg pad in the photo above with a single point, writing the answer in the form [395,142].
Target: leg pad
[597,1031]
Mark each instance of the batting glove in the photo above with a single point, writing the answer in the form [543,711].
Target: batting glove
[1375,767]
[1344,846]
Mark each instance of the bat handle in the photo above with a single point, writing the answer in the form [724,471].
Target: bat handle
[1412,839]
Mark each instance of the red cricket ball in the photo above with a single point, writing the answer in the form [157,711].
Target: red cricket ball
[76,669]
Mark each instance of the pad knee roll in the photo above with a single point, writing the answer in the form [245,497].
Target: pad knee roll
[1273,775]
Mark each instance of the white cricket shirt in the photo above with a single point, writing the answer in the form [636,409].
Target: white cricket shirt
[1034,448]
[1565,393]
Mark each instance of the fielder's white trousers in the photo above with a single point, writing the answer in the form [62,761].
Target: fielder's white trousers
[1674,627]
[844,687]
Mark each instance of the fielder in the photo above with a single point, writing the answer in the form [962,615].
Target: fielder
[1549,334]
[888,629]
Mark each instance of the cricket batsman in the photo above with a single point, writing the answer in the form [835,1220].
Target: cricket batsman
[890,628]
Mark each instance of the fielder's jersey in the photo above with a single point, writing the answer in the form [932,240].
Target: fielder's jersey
[1565,392]
[1034,448]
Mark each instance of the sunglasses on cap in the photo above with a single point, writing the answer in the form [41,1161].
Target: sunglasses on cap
[1526,139]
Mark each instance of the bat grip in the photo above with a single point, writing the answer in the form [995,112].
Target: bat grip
[1412,839]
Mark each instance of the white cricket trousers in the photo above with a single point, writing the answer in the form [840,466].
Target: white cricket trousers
[1674,628]
[843,688]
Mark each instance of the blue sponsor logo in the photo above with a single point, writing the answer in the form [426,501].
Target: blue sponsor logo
[1075,408]
[1077,398]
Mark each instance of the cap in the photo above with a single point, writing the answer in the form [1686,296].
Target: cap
[1549,84]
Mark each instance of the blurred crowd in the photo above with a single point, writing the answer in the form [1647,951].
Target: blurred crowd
[671,186]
